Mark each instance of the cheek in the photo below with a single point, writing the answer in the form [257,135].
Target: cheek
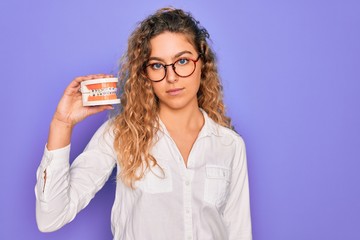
[197,79]
[199,71]
[156,89]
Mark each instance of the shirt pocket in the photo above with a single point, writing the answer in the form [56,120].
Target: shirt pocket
[217,182]
[157,180]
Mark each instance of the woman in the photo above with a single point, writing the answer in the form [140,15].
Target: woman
[182,170]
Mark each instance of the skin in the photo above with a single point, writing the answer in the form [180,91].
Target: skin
[70,111]
[178,104]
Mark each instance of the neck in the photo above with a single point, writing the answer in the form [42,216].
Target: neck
[182,119]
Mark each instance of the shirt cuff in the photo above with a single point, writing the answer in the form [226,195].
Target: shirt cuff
[57,158]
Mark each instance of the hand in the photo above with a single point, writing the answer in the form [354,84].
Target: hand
[70,110]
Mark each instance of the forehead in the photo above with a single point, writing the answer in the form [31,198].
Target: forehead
[167,44]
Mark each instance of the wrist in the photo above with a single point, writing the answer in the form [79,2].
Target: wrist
[56,123]
[59,120]
[59,134]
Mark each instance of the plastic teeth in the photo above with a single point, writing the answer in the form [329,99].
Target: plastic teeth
[103,91]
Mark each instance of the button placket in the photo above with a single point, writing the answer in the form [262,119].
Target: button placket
[188,223]
[186,176]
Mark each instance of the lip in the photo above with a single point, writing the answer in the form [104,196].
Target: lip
[99,91]
[174,91]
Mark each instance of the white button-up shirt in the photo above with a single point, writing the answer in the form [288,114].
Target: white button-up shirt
[207,199]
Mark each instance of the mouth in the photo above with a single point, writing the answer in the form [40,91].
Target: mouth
[174,91]
[102,91]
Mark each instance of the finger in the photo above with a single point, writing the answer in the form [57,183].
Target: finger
[75,84]
[99,75]
[78,80]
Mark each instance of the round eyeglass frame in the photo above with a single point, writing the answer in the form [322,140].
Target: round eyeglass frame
[174,69]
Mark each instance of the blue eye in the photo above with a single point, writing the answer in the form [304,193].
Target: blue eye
[182,61]
[156,66]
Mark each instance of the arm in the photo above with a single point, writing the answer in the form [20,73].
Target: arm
[237,210]
[69,189]
[62,191]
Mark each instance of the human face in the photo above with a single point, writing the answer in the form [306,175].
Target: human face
[175,92]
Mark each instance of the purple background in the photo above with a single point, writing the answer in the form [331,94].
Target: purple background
[291,75]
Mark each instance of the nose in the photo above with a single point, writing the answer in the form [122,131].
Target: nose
[171,76]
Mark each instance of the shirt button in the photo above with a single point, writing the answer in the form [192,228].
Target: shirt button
[187,211]
[187,182]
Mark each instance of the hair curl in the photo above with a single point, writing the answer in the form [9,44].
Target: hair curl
[137,123]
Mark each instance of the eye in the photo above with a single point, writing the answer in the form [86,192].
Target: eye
[156,66]
[182,61]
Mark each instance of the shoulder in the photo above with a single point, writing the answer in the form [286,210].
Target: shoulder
[104,135]
[226,147]
[226,135]
[229,136]
[106,128]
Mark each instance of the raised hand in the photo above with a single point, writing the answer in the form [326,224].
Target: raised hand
[70,111]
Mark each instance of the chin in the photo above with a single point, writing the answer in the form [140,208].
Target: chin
[179,104]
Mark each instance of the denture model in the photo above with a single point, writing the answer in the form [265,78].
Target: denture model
[100,91]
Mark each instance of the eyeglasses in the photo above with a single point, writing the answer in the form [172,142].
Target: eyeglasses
[183,67]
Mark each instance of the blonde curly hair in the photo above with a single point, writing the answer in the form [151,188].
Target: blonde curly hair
[136,124]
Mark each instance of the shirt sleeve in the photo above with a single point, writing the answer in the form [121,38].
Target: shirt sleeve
[237,210]
[62,190]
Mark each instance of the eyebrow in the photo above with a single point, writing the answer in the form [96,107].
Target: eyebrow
[176,56]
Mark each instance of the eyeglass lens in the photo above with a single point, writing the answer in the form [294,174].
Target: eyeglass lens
[183,68]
